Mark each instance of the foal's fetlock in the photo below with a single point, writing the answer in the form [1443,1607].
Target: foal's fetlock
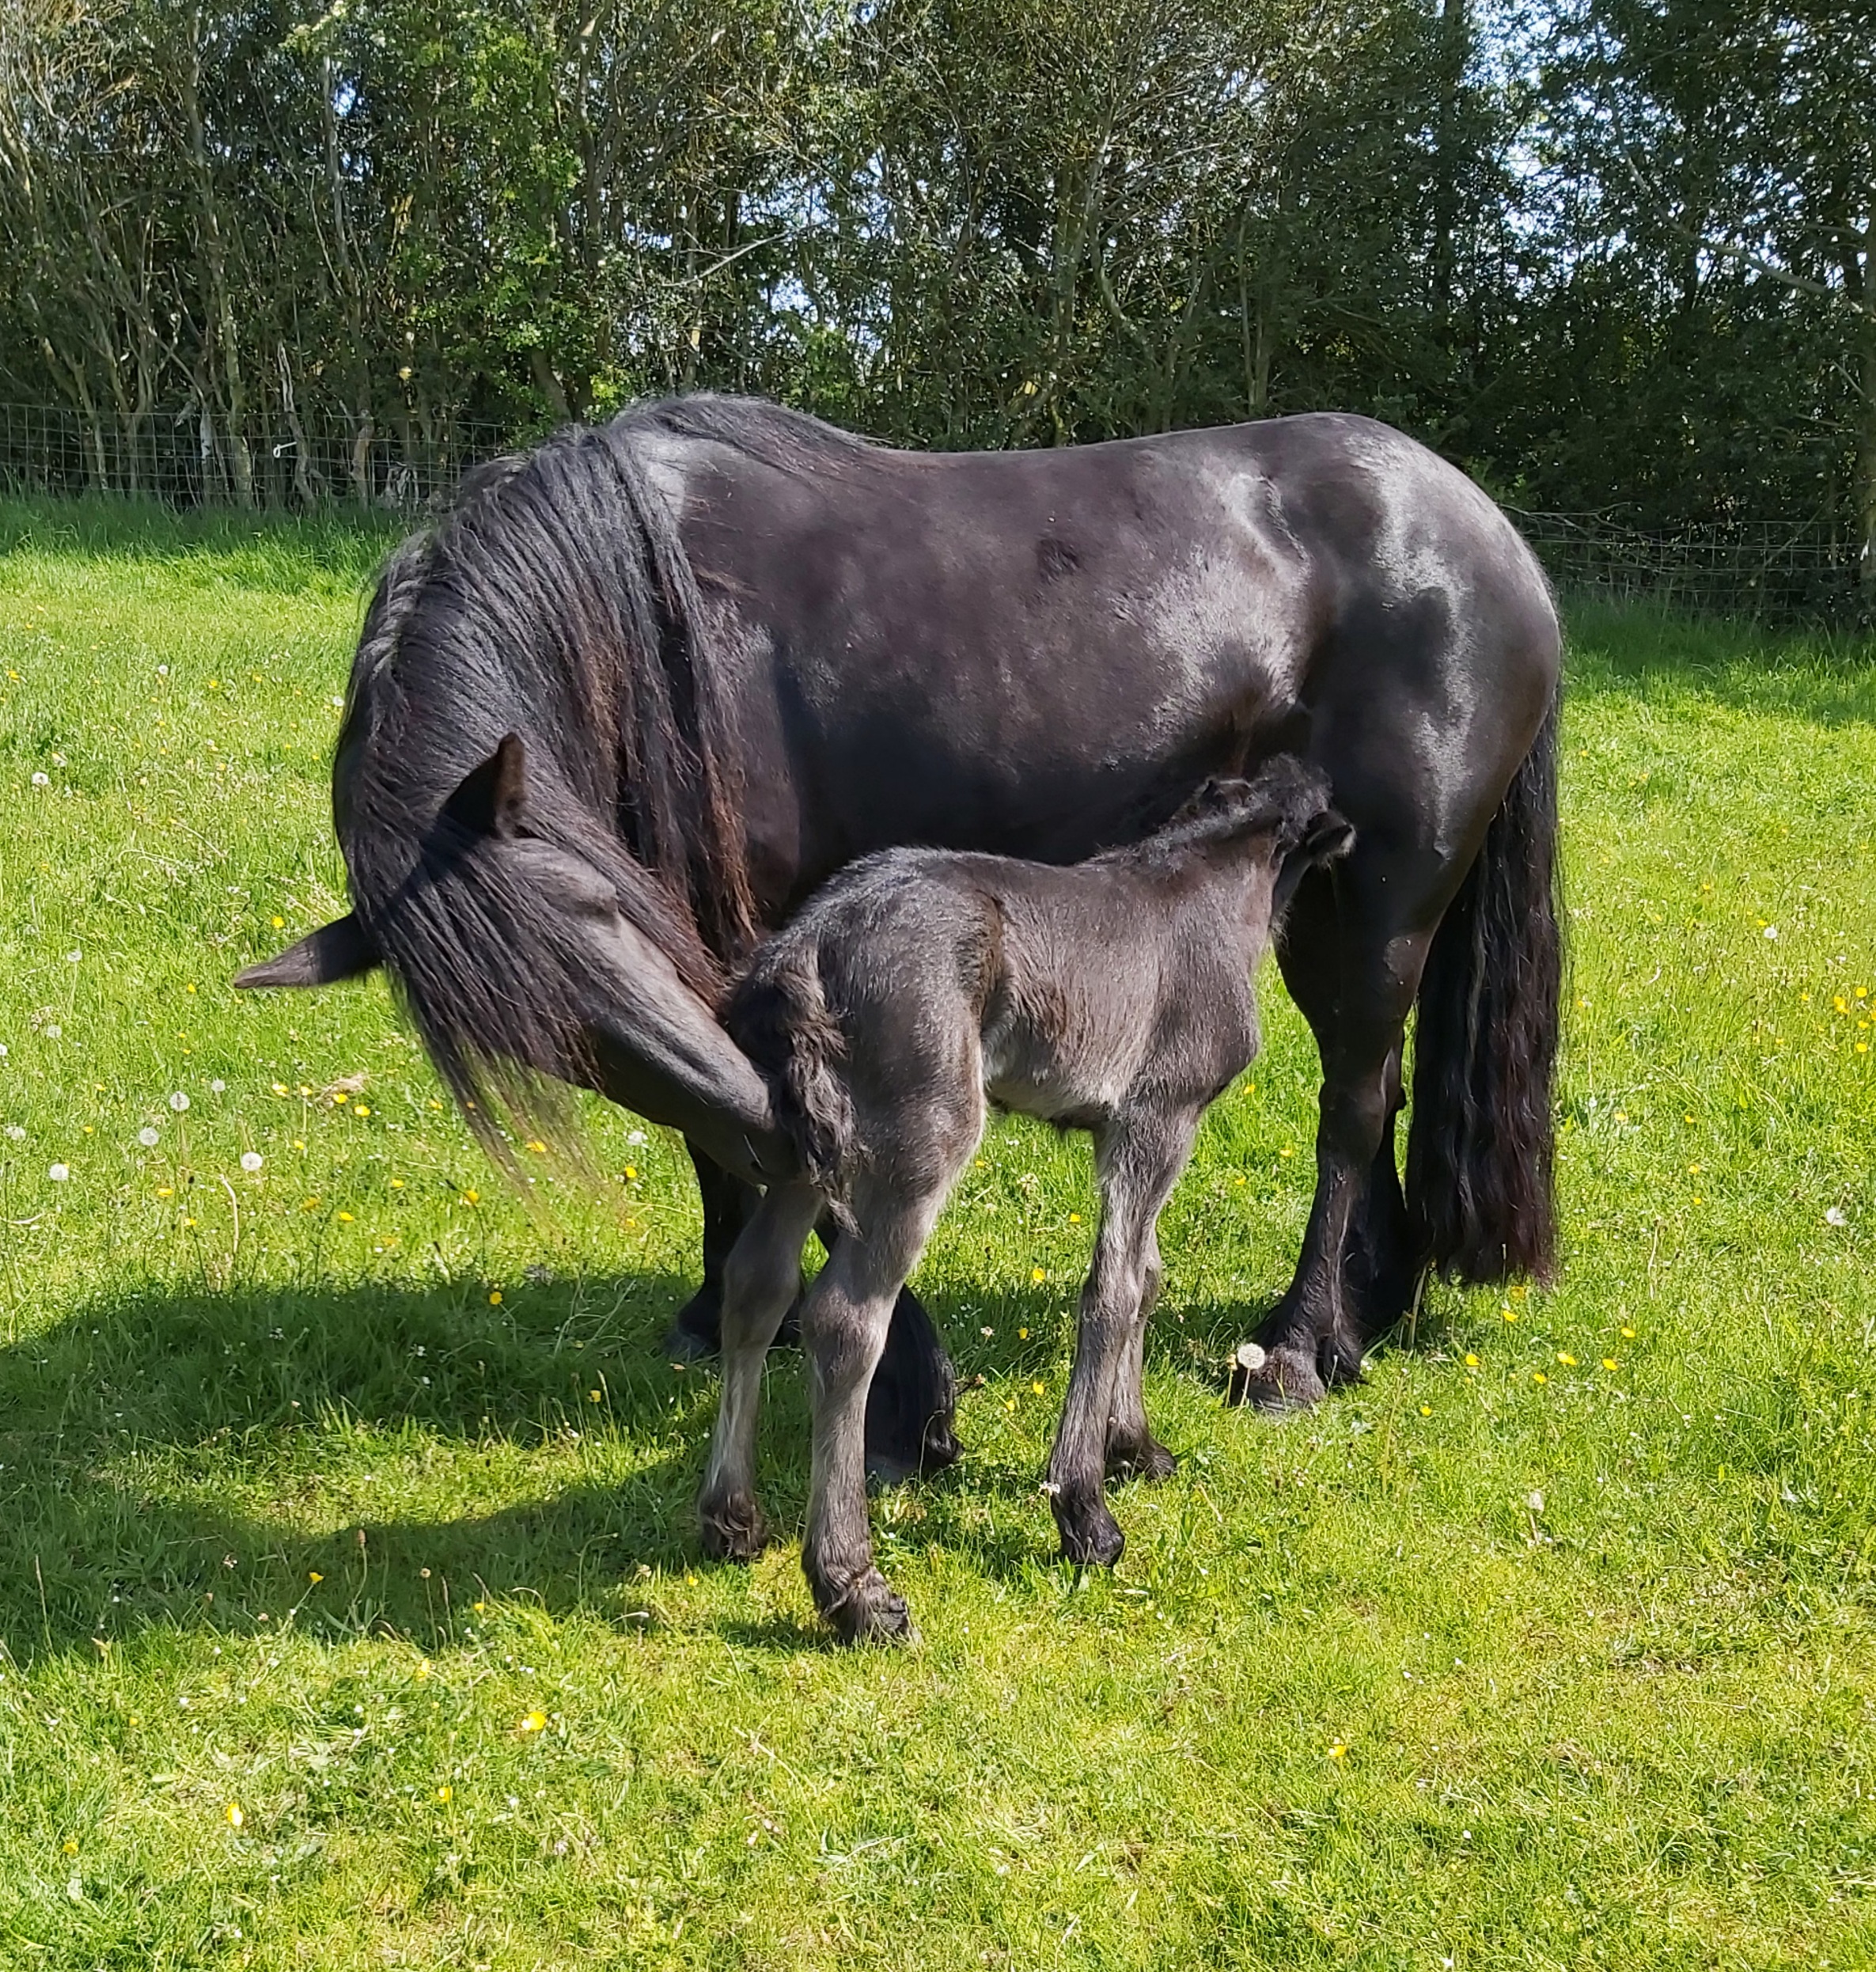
[1091,1536]
[734,1528]
[864,1609]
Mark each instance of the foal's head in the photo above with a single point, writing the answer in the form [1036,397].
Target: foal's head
[1277,820]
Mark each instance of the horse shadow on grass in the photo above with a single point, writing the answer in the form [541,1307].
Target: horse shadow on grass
[230,1461]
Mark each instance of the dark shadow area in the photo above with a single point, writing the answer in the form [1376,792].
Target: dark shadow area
[158,1449]
[116,1426]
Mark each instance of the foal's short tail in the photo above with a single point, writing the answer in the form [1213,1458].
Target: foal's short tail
[1480,1149]
[779,1016]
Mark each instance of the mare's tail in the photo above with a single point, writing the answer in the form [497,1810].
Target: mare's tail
[779,1016]
[1480,1149]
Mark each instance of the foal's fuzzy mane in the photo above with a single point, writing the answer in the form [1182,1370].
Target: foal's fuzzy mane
[553,599]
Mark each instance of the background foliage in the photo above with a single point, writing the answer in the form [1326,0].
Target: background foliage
[1609,254]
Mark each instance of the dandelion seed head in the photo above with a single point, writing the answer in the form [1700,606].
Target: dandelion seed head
[179,1101]
[148,1137]
[59,1173]
[251,1161]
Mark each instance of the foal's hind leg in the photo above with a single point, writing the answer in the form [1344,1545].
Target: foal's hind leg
[761,1277]
[910,1420]
[1138,1161]
[843,1330]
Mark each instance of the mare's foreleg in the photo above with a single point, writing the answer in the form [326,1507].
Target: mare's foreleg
[1138,1162]
[761,1277]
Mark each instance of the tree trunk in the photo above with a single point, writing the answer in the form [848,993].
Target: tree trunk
[214,253]
[302,462]
[1866,464]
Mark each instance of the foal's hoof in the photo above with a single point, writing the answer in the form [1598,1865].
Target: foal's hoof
[868,1611]
[733,1529]
[1277,1381]
[1091,1536]
[1148,1463]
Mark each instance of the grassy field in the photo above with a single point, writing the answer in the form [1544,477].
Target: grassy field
[349,1613]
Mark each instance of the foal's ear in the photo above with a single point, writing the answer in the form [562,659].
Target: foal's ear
[1327,837]
[491,798]
[341,949]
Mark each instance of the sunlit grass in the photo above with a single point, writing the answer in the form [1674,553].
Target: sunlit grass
[351,1608]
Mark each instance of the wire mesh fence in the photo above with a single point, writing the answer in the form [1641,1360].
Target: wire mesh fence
[176,456]
[1795,572]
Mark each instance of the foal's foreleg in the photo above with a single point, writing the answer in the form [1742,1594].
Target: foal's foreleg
[1133,1452]
[761,1277]
[1138,1162]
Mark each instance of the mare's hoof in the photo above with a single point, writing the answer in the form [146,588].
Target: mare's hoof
[1277,1382]
[867,1611]
[895,1466]
[1148,1463]
[696,1331]
[1091,1536]
[733,1529]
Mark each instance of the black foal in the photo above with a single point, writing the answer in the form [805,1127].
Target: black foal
[1113,997]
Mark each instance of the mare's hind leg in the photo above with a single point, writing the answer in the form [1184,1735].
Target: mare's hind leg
[1133,1452]
[910,1419]
[1353,971]
[1138,1162]
[760,1276]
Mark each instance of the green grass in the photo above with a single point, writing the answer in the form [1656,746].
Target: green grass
[1468,1667]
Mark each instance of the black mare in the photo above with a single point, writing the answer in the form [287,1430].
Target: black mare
[639,691]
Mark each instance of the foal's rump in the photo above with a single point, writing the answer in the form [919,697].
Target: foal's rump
[863,1014]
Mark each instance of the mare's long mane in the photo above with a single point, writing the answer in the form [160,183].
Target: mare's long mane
[553,599]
